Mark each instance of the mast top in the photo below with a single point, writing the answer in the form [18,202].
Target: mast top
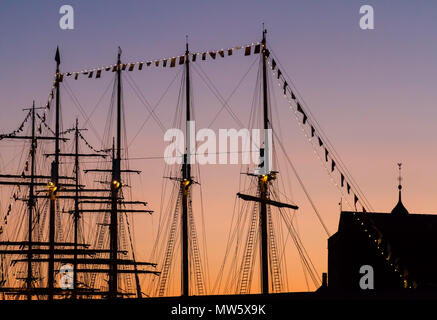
[186,44]
[119,53]
[57,57]
[264,34]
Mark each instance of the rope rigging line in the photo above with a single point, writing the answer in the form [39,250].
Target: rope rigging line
[302,185]
[76,102]
[225,105]
[155,107]
[145,102]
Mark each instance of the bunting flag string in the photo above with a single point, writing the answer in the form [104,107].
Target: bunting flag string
[368,226]
[67,131]
[96,72]
[52,92]
[156,62]
[20,128]
[91,147]
[304,120]
[43,121]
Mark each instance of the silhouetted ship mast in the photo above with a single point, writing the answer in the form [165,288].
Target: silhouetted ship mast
[76,253]
[264,179]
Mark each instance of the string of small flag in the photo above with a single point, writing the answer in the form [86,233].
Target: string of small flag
[52,93]
[164,62]
[314,135]
[43,122]
[171,62]
[91,147]
[330,164]
[20,128]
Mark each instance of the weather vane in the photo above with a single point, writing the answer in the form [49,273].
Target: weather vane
[400,175]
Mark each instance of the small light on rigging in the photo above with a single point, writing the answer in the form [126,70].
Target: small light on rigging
[116,184]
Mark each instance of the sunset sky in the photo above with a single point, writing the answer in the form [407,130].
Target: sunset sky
[372,91]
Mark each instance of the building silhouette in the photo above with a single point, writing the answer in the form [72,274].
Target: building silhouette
[400,246]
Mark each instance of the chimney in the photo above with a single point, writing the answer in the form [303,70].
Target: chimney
[324,280]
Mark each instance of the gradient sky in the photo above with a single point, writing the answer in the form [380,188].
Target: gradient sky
[373,92]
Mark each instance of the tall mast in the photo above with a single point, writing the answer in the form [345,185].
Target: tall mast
[31,203]
[76,207]
[263,181]
[115,186]
[186,182]
[54,184]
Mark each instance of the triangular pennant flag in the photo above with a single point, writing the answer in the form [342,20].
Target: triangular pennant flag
[164,63]
[114,68]
[348,187]
[107,68]
[257,49]
[247,51]
[229,52]
[212,54]
[148,63]
[312,131]
[140,66]
[305,118]
[172,62]
[203,55]
[292,95]
[61,77]
[320,142]
[131,66]
[194,57]
[221,53]
[91,74]
[181,59]
[156,63]
[364,210]
[98,73]
[326,154]
[332,165]
[285,86]
[273,64]
[124,66]
[267,53]
[299,108]
[355,199]
[342,179]
[69,74]
[279,73]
